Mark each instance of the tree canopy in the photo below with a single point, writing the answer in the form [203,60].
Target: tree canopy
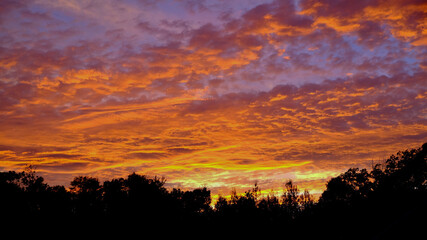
[384,202]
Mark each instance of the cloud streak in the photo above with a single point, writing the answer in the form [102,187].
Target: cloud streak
[210,93]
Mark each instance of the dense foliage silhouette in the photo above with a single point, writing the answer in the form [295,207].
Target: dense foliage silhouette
[386,202]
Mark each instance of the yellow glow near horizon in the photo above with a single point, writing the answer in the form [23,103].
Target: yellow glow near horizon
[223,97]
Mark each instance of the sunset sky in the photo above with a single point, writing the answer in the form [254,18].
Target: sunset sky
[220,94]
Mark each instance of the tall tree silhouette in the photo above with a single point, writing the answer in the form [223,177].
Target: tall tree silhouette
[12,200]
[290,200]
[87,196]
[116,198]
[392,196]
[349,187]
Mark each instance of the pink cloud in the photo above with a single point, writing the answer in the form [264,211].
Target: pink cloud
[209,92]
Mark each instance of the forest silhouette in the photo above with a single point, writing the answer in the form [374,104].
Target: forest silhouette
[385,202]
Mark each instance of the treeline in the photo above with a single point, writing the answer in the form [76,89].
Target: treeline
[384,202]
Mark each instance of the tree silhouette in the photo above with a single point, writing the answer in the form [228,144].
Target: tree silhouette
[115,198]
[306,201]
[270,209]
[386,202]
[12,200]
[147,197]
[349,187]
[290,200]
[86,196]
[390,197]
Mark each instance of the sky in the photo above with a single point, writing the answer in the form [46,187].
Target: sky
[217,94]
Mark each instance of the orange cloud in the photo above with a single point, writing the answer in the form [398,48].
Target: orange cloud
[219,101]
[406,19]
[306,133]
